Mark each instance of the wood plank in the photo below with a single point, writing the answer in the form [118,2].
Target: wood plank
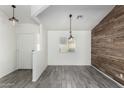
[108,44]
[59,77]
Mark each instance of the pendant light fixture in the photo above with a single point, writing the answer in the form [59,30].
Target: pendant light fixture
[71,40]
[13,19]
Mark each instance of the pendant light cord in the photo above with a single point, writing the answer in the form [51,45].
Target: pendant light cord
[13,6]
[70,25]
[13,11]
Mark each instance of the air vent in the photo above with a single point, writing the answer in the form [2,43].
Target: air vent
[79,17]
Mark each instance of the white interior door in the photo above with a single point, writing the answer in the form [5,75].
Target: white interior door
[24,51]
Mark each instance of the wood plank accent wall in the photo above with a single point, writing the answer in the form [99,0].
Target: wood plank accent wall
[108,44]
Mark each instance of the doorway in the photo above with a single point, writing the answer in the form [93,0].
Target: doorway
[24,51]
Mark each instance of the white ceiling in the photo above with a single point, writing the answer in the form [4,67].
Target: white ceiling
[56,17]
[22,12]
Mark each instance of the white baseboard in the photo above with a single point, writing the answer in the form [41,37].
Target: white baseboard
[67,65]
[122,86]
[7,73]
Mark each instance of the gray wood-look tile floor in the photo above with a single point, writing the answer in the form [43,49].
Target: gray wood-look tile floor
[59,77]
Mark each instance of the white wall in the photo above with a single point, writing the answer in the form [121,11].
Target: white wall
[7,46]
[26,29]
[40,57]
[82,56]
[44,48]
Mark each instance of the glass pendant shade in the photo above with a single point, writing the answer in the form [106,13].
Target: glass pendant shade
[13,20]
[71,44]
